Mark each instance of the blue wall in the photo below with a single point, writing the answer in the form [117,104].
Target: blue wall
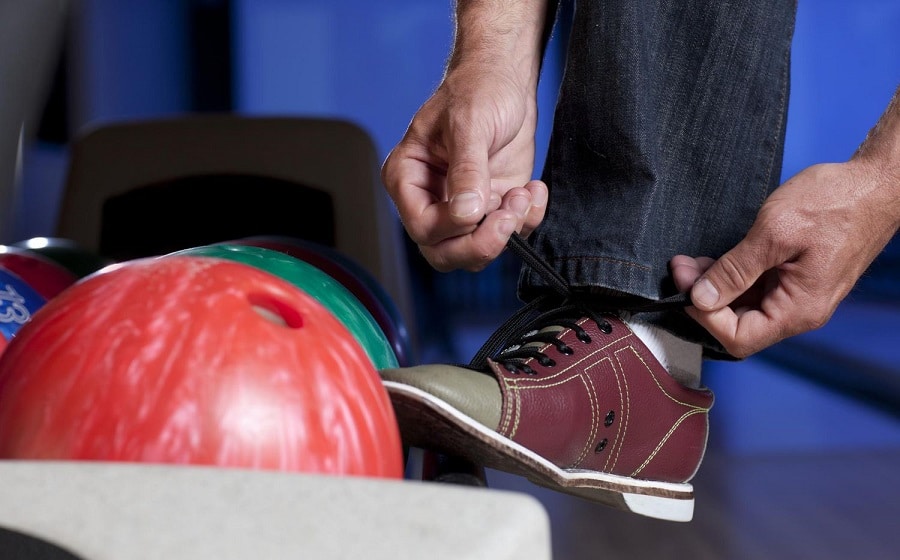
[845,68]
[129,60]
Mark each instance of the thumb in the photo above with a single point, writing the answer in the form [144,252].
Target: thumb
[468,179]
[733,273]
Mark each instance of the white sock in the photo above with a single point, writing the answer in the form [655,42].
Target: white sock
[682,359]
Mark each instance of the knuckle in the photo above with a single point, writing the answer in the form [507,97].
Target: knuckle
[417,232]
[464,118]
[809,316]
[733,272]
[387,170]
[739,351]
[779,243]
[781,230]
[745,348]
[479,256]
[814,320]
[465,167]
[436,259]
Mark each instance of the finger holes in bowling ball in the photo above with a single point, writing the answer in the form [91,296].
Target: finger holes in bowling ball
[275,311]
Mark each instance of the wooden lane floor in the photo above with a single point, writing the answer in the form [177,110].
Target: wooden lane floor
[834,505]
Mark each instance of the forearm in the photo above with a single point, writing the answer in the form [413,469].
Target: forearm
[880,152]
[505,35]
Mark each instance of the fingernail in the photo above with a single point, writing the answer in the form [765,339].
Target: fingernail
[494,201]
[704,293]
[540,198]
[506,227]
[520,205]
[465,204]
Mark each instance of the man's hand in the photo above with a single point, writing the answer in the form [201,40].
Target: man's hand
[812,240]
[461,176]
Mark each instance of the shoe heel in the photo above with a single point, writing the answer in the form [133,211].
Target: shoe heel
[669,509]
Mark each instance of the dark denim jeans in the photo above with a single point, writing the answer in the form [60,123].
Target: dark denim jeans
[667,137]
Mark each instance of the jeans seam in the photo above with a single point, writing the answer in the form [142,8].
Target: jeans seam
[587,258]
[785,66]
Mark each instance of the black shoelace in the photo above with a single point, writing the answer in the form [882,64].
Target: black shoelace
[561,308]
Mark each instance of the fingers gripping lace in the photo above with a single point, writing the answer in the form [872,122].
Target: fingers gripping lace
[528,255]
[527,327]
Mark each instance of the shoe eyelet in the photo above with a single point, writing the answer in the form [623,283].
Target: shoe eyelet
[610,417]
[584,337]
[547,362]
[601,446]
[605,327]
[528,370]
[567,350]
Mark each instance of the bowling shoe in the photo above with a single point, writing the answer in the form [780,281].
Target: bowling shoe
[566,395]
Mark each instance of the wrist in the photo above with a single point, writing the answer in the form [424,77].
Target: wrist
[505,36]
[879,154]
[882,186]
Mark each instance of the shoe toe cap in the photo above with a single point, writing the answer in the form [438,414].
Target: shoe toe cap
[472,393]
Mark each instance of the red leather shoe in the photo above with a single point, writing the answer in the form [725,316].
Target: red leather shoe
[571,399]
[580,406]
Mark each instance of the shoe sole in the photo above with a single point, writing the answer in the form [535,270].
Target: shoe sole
[430,423]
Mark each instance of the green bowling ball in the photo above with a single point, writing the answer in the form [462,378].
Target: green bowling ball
[322,287]
[353,277]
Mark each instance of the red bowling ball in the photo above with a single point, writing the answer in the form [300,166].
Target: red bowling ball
[197,361]
[45,276]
